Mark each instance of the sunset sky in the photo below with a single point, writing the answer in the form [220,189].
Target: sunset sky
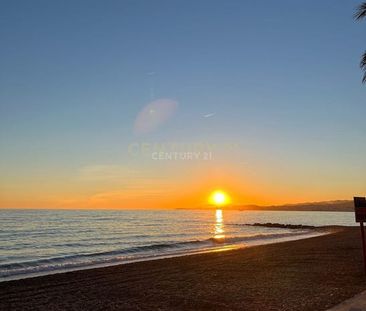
[267,94]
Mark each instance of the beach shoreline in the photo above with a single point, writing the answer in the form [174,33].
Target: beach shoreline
[308,274]
[299,232]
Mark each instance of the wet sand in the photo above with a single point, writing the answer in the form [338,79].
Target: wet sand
[311,274]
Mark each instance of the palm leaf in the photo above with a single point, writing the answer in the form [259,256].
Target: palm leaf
[363,66]
[361,11]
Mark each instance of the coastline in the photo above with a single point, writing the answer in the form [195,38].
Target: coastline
[308,274]
[219,246]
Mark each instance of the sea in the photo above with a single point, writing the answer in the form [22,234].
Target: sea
[40,242]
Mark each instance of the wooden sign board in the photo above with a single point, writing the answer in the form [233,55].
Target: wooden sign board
[360,209]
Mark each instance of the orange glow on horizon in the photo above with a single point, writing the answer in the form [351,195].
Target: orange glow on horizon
[118,187]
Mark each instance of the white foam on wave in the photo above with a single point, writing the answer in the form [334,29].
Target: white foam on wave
[27,269]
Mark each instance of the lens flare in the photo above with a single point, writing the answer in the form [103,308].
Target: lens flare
[154,114]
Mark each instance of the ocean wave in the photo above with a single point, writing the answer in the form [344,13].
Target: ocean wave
[75,261]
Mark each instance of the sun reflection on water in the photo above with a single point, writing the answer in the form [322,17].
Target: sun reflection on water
[219,233]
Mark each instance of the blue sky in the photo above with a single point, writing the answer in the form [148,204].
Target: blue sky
[281,79]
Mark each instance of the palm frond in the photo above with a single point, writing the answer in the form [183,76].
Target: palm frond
[363,67]
[361,11]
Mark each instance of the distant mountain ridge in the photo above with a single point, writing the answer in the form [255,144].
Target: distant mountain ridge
[330,206]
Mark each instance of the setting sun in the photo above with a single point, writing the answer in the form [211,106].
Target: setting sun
[219,197]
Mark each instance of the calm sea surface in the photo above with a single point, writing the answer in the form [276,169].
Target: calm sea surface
[35,242]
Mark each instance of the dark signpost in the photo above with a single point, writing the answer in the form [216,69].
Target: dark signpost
[360,212]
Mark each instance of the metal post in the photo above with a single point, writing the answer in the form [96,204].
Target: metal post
[363,245]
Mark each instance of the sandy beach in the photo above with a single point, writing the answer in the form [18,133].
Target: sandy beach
[311,274]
